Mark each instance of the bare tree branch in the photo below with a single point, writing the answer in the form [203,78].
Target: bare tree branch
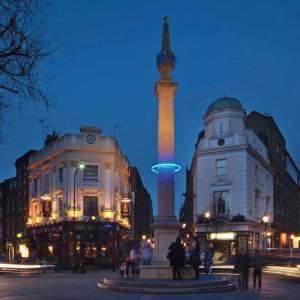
[21,52]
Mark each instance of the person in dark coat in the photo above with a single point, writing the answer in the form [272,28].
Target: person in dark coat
[243,266]
[257,264]
[196,260]
[176,256]
[208,259]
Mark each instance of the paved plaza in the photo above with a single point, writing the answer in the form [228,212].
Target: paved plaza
[64,286]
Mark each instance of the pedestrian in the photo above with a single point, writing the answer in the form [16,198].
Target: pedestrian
[121,255]
[257,263]
[146,254]
[176,256]
[188,254]
[243,266]
[208,257]
[81,267]
[131,262]
[196,260]
[75,265]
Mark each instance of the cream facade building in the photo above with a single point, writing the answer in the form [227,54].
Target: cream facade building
[232,180]
[55,175]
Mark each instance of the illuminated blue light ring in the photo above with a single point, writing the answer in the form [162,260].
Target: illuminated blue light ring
[165,166]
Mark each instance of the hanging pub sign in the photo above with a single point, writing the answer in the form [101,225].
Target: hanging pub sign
[125,209]
[46,207]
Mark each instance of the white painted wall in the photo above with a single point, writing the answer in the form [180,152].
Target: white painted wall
[240,181]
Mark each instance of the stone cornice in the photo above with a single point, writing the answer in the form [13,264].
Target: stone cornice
[165,87]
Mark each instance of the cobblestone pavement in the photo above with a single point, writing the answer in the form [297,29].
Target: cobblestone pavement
[64,286]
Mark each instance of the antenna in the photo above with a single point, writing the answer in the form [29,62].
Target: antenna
[114,129]
[42,121]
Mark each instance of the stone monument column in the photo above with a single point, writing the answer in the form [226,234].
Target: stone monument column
[165,226]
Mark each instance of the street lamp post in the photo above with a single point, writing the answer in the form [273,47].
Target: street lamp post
[265,220]
[291,245]
[207,216]
[80,167]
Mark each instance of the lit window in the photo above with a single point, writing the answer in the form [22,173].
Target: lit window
[90,173]
[221,167]
[90,206]
[221,203]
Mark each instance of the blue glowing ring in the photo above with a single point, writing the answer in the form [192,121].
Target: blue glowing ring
[164,166]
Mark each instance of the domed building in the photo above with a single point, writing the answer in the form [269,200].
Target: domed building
[231,180]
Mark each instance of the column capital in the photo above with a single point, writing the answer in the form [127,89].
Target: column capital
[165,88]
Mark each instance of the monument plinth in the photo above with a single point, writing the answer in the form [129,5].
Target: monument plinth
[166,226]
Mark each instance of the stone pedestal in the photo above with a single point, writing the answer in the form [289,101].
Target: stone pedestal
[164,235]
[164,272]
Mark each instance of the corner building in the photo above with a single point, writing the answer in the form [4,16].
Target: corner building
[77,211]
[286,183]
[232,182]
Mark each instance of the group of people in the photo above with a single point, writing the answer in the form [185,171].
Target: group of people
[178,258]
[131,256]
[243,265]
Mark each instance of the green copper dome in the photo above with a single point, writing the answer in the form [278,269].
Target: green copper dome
[225,103]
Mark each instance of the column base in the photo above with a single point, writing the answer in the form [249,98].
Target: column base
[164,272]
[165,232]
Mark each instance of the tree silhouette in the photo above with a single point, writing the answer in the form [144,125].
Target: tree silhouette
[21,53]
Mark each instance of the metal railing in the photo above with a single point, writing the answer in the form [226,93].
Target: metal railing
[283,252]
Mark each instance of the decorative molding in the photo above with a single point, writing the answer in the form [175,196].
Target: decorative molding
[221,181]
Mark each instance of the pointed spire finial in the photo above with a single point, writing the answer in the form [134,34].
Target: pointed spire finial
[166,59]
[166,36]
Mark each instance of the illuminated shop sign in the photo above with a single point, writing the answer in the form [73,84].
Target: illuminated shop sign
[46,207]
[125,209]
[222,236]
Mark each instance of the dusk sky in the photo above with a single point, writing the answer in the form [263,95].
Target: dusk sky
[103,73]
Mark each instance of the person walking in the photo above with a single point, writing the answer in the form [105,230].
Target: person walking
[208,257]
[75,265]
[257,264]
[176,257]
[121,255]
[243,262]
[131,262]
[196,260]
[146,252]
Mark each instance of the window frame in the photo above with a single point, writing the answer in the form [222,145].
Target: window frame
[217,196]
[46,190]
[60,174]
[224,167]
[87,177]
[90,207]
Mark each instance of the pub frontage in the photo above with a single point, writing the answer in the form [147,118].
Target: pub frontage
[230,239]
[94,242]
